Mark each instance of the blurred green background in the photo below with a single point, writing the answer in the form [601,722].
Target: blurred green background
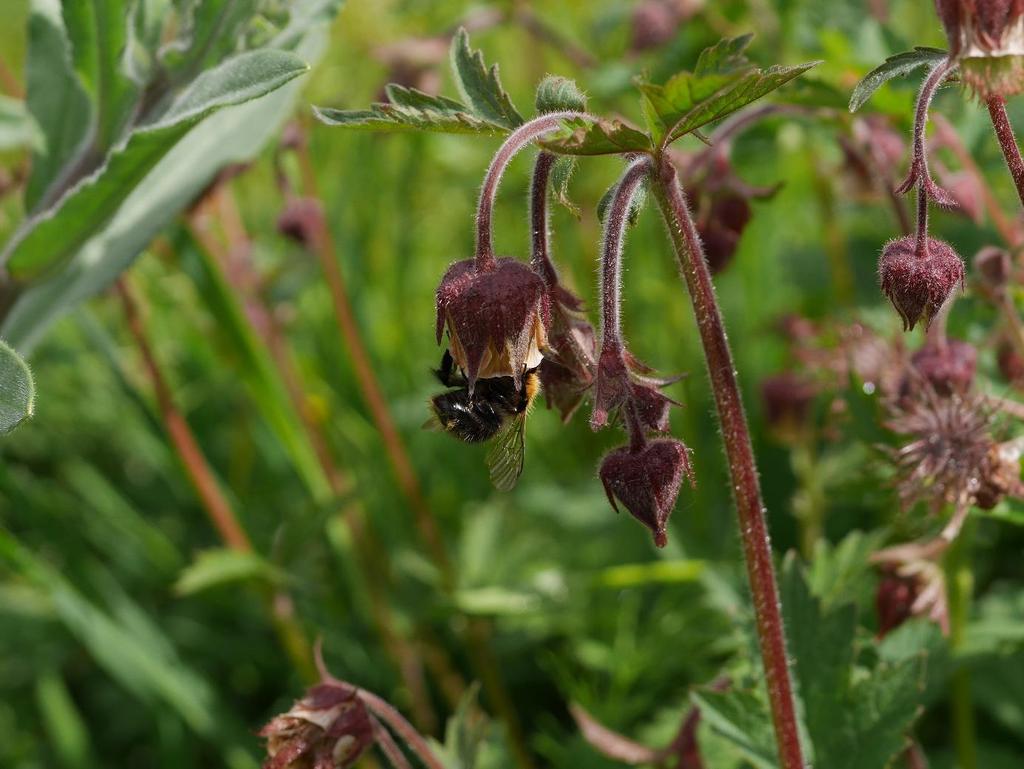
[108,658]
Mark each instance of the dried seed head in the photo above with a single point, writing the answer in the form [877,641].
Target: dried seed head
[496,318]
[919,281]
[329,728]
[987,37]
[647,481]
[948,368]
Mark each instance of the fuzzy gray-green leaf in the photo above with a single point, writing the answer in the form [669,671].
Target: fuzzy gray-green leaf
[895,66]
[480,86]
[17,390]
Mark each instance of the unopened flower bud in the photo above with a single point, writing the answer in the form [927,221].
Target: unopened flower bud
[949,368]
[496,318]
[301,220]
[329,728]
[918,282]
[993,266]
[647,481]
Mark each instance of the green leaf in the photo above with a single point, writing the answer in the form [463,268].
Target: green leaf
[722,82]
[55,237]
[742,718]
[561,175]
[895,66]
[411,110]
[465,732]
[213,33]
[65,727]
[479,86]
[147,668]
[672,572]
[232,135]
[557,94]
[221,566]
[603,137]
[53,93]
[17,126]
[17,390]
[98,33]
[1009,510]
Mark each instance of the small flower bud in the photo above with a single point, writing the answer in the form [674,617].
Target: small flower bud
[787,401]
[894,600]
[301,220]
[329,728]
[496,319]
[647,481]
[917,282]
[949,368]
[993,266]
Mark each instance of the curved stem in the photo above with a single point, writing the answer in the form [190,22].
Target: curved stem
[540,250]
[1007,142]
[919,156]
[739,452]
[383,710]
[616,219]
[518,139]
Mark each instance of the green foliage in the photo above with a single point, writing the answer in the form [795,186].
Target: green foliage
[723,81]
[218,567]
[895,66]
[17,390]
[17,126]
[855,713]
[480,86]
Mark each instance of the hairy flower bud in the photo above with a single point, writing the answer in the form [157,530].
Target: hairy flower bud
[987,37]
[948,368]
[918,282]
[623,382]
[496,318]
[994,267]
[647,481]
[329,728]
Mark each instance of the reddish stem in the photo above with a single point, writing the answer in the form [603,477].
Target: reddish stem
[1007,142]
[405,731]
[540,250]
[742,467]
[518,139]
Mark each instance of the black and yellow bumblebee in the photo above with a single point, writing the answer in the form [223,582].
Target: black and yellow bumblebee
[496,411]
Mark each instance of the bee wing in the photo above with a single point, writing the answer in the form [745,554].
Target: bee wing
[505,459]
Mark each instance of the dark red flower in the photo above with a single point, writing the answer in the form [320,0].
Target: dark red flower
[919,281]
[329,728]
[987,37]
[496,318]
[647,481]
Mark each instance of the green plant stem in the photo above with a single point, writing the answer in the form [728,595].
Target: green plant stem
[811,502]
[214,502]
[739,452]
[959,589]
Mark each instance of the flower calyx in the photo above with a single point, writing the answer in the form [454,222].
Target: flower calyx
[918,276]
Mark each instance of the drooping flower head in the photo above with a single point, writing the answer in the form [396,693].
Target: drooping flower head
[496,318]
[647,480]
[919,280]
[987,37]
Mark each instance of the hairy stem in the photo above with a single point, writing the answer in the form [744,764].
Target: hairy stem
[739,452]
[518,139]
[616,219]
[405,731]
[540,241]
[215,503]
[1007,142]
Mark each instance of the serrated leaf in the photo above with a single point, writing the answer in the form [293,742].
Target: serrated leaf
[689,101]
[17,127]
[555,94]
[17,390]
[601,137]
[53,91]
[479,86]
[221,566]
[724,57]
[895,66]
[411,110]
[742,718]
[561,175]
[55,237]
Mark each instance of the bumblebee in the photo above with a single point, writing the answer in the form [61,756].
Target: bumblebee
[496,411]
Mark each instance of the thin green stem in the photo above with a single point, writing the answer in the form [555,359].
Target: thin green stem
[960,588]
